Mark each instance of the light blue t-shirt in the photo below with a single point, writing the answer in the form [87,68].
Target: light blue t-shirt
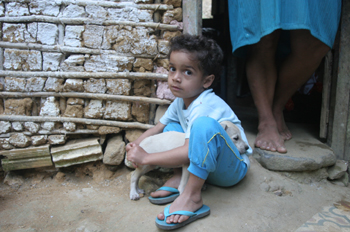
[207,104]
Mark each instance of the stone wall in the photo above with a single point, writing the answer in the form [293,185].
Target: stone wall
[73,68]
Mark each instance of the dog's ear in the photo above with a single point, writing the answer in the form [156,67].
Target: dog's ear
[224,125]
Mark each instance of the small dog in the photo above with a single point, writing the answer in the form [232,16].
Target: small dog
[170,140]
[235,134]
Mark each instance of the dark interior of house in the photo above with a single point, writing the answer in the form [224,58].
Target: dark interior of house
[303,107]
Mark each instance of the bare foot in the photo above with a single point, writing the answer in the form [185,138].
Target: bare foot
[270,139]
[173,182]
[281,126]
[184,202]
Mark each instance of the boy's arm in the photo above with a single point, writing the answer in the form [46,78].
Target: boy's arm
[172,158]
[158,128]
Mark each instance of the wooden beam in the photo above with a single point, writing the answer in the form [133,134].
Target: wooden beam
[192,16]
[82,21]
[125,125]
[68,49]
[83,75]
[109,4]
[326,94]
[341,128]
[99,96]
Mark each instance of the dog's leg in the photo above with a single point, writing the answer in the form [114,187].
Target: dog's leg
[135,176]
[134,182]
[184,178]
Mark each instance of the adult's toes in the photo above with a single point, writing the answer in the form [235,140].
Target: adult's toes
[257,143]
[286,136]
[271,148]
[289,136]
[281,149]
[264,145]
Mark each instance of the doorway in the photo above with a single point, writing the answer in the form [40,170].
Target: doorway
[303,107]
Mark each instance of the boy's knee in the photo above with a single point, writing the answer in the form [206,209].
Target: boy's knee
[204,123]
[173,126]
[201,120]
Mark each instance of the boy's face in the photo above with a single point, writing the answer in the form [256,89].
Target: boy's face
[185,79]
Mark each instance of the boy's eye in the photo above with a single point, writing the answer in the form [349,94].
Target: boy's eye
[188,72]
[171,69]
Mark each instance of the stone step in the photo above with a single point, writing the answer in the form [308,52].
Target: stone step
[295,161]
[305,151]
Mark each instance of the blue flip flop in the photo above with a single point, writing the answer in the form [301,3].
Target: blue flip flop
[202,212]
[165,200]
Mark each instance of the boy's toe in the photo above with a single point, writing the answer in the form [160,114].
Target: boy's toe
[161,216]
[170,219]
[183,218]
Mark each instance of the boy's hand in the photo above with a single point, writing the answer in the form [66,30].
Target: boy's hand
[136,154]
[129,146]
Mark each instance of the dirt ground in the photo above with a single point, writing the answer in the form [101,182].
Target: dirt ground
[94,198]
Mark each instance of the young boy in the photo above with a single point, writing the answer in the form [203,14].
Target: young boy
[194,62]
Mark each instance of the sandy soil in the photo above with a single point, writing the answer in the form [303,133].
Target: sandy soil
[93,198]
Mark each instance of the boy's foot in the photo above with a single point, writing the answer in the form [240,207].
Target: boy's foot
[184,202]
[186,208]
[173,182]
[174,193]
[162,224]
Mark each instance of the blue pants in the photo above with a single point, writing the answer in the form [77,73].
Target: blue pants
[212,154]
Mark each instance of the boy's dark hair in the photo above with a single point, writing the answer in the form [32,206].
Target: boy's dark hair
[206,50]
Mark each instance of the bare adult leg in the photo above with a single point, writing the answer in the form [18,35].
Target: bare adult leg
[189,200]
[306,55]
[262,76]
[173,182]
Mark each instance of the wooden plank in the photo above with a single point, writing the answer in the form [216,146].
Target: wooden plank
[333,87]
[192,16]
[341,111]
[326,94]
[156,15]
[86,75]
[25,153]
[101,122]
[87,95]
[347,140]
[9,165]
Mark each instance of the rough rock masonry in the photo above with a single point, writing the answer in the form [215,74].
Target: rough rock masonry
[72,70]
